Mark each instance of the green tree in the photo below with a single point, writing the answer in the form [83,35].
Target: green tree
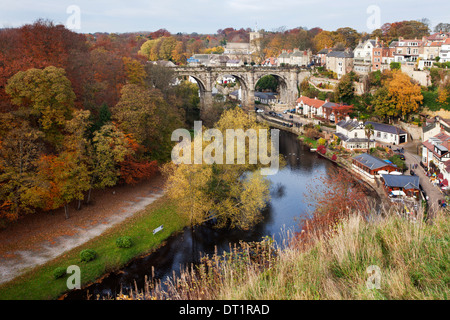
[368,130]
[345,91]
[267,83]
[395,65]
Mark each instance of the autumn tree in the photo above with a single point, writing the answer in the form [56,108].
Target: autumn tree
[339,194]
[404,94]
[134,70]
[108,149]
[43,44]
[20,149]
[136,112]
[109,76]
[229,195]
[65,179]
[46,96]
[399,96]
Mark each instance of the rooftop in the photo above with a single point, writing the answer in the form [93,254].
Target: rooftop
[316,103]
[340,54]
[401,181]
[348,124]
[385,127]
[370,161]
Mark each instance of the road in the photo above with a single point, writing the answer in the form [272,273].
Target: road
[433,192]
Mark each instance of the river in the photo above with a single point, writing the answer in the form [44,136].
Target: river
[289,202]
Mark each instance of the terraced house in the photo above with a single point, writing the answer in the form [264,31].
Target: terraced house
[340,62]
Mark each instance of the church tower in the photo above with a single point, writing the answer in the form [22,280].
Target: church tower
[254,39]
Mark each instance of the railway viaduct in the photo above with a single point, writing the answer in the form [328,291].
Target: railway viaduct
[289,79]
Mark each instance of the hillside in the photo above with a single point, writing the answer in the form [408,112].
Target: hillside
[412,258]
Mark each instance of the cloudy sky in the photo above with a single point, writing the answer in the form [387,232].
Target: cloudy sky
[207,16]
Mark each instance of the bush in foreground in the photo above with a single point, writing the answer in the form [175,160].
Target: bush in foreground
[59,272]
[124,242]
[88,255]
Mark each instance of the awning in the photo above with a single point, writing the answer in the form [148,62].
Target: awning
[383,172]
[396,173]
[440,176]
[398,193]
[445,182]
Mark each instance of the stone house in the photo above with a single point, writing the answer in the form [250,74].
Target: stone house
[340,62]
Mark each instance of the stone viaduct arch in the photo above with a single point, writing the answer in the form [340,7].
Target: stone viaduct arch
[206,77]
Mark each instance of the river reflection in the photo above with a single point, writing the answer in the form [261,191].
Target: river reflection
[288,202]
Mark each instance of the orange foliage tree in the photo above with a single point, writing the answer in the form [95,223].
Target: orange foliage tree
[340,195]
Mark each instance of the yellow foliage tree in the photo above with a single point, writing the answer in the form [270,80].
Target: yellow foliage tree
[229,194]
[404,95]
[443,96]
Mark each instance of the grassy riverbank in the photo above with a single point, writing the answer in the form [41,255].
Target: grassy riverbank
[39,283]
[410,258]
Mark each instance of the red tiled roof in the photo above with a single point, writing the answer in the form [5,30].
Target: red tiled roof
[315,103]
[445,143]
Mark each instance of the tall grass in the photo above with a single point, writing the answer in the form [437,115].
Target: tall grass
[412,255]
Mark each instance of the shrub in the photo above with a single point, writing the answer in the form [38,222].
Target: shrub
[321,141]
[322,149]
[87,255]
[124,242]
[59,272]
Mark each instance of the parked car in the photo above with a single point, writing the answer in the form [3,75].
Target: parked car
[280,115]
[260,111]
[285,111]
[291,116]
[402,157]
[411,172]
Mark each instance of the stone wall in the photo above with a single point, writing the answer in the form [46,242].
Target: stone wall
[414,131]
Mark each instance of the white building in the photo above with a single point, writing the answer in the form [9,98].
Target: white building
[353,136]
[362,56]
[385,133]
[444,55]
[310,107]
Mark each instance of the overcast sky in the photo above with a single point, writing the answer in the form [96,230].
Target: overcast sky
[207,16]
